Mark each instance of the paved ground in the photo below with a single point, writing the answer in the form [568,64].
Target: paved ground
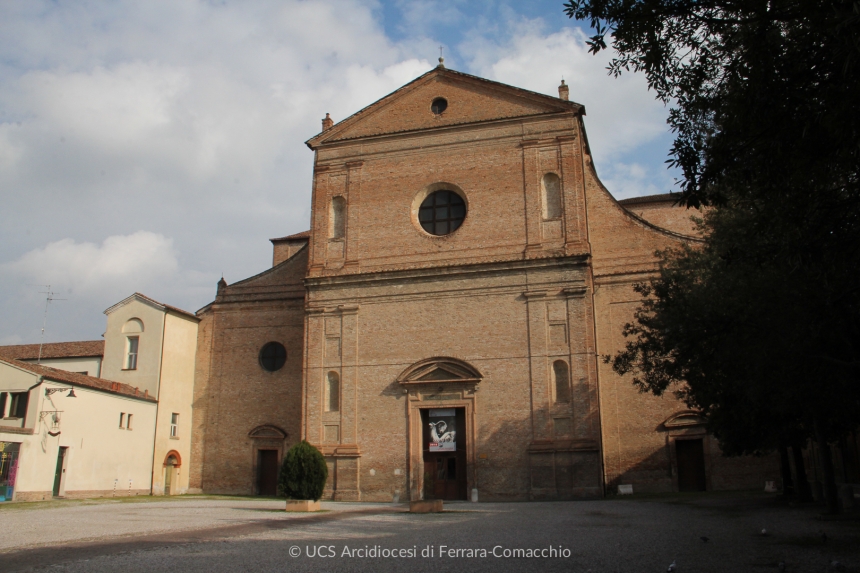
[630,534]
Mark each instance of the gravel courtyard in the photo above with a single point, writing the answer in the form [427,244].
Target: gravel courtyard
[238,534]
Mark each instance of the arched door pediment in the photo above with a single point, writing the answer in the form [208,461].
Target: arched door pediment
[684,419]
[267,432]
[440,369]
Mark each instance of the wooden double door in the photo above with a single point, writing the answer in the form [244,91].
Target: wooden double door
[445,471]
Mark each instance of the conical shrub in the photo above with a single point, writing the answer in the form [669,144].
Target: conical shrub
[303,473]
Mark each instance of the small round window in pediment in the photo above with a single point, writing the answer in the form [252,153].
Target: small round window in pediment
[439,105]
[273,356]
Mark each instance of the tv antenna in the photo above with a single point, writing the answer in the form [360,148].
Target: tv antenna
[48,299]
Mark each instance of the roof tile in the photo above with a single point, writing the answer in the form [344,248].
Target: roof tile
[81,380]
[76,349]
[297,236]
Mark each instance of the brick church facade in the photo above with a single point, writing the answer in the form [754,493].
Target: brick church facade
[439,329]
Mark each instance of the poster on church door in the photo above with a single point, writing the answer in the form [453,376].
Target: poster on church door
[443,430]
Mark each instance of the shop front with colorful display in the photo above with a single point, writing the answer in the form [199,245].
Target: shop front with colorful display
[8,469]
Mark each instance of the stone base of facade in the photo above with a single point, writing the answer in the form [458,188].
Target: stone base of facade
[81,494]
[33,496]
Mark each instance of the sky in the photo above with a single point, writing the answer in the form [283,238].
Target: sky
[156,146]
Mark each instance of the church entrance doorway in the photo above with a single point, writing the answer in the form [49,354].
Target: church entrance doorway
[691,465]
[267,472]
[444,453]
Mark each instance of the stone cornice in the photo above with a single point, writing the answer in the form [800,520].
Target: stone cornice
[448,271]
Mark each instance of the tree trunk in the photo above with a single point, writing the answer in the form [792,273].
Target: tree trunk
[804,491]
[831,496]
[785,469]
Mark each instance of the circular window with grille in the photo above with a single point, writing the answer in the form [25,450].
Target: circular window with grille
[273,356]
[442,212]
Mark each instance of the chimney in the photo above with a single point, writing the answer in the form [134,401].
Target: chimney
[327,122]
[564,91]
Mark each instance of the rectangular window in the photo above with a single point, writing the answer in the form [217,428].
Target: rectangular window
[174,422]
[121,420]
[18,404]
[131,359]
[3,404]
[128,422]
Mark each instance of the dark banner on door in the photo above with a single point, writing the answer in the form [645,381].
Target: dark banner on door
[443,430]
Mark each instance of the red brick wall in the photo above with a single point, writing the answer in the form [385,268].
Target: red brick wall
[236,394]
[509,293]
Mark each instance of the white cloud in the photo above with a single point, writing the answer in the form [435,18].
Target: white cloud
[124,262]
[621,113]
[87,278]
[111,108]
[634,180]
[188,119]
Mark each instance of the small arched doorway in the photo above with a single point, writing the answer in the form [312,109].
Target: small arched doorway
[172,462]
[268,448]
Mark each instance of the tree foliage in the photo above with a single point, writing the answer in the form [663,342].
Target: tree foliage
[763,93]
[303,473]
[750,342]
[760,327]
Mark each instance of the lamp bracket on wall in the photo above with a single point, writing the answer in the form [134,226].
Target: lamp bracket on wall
[53,417]
[43,414]
[71,394]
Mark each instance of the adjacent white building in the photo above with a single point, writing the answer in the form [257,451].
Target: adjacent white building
[70,435]
[101,418]
[153,346]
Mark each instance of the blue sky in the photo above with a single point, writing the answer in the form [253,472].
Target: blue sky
[152,146]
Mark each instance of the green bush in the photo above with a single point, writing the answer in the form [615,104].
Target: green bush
[303,473]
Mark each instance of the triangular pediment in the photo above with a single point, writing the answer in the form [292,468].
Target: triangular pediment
[469,99]
[437,373]
[440,369]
